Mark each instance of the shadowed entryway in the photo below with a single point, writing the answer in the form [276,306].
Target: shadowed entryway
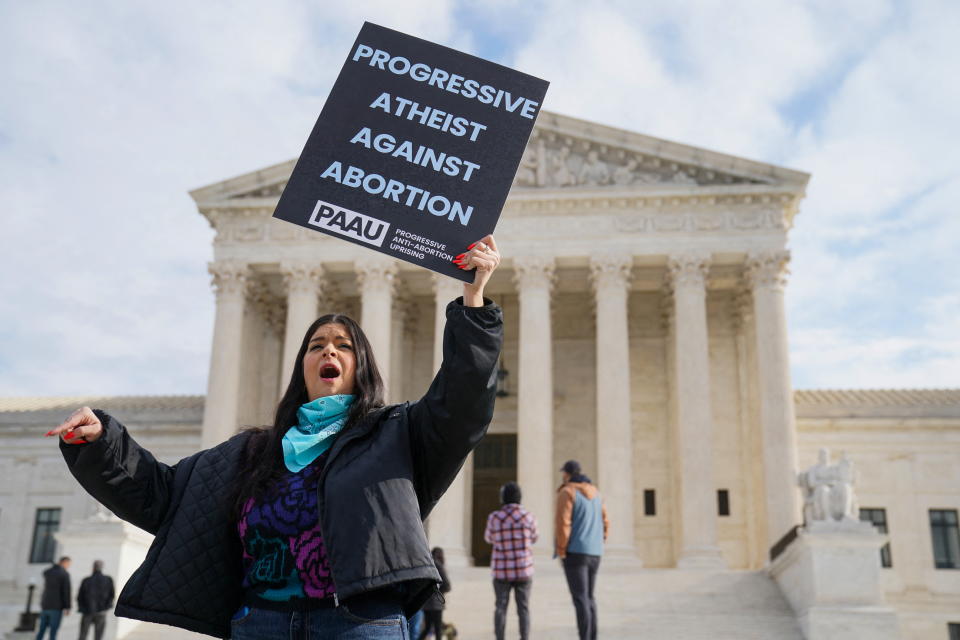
[494,463]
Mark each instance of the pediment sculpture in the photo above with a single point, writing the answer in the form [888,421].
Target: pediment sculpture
[555,161]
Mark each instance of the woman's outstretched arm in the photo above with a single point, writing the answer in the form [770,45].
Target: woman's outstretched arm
[114,469]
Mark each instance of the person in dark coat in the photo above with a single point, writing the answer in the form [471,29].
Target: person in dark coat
[315,524]
[94,599]
[55,600]
[433,609]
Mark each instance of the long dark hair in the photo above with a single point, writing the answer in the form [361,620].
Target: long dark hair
[263,456]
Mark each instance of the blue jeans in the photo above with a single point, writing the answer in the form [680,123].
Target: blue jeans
[415,623]
[50,618]
[367,622]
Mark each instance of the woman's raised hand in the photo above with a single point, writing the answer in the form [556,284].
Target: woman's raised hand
[484,257]
[81,427]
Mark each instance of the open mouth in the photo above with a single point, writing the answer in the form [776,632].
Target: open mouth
[329,371]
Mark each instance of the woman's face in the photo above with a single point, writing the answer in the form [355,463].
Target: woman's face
[330,365]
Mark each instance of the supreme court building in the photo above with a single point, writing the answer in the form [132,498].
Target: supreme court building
[645,335]
[643,294]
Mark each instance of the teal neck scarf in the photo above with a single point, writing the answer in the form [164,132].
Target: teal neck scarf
[319,421]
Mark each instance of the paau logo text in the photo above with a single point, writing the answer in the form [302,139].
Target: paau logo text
[349,223]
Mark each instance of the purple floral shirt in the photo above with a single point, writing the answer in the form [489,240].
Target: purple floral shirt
[285,564]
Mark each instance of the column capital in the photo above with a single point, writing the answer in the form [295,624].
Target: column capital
[229,277]
[302,276]
[376,275]
[688,270]
[767,270]
[610,271]
[533,272]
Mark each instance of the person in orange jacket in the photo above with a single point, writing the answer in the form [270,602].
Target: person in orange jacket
[581,528]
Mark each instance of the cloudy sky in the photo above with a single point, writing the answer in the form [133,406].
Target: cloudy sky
[111,111]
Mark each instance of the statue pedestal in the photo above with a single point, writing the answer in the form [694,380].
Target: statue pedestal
[121,546]
[830,574]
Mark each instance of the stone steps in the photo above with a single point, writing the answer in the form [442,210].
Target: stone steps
[652,604]
[646,604]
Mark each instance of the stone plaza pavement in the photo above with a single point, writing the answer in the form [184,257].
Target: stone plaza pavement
[646,604]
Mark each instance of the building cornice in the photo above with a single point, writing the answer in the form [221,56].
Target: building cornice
[876,404]
[716,210]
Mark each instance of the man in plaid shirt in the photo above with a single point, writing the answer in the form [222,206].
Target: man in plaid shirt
[511,530]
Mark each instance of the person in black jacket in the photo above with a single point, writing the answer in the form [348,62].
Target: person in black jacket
[433,609]
[313,526]
[55,599]
[94,599]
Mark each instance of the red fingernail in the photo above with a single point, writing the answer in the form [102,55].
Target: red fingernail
[68,434]
[463,266]
[460,256]
[471,246]
[49,432]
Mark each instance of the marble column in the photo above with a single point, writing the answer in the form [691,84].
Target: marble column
[610,277]
[693,434]
[450,521]
[536,470]
[750,456]
[262,355]
[302,282]
[766,276]
[376,276]
[220,411]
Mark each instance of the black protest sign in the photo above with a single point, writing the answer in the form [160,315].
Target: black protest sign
[415,150]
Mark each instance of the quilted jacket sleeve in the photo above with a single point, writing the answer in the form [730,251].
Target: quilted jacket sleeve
[451,419]
[122,475]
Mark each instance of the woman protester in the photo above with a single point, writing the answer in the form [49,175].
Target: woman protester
[311,527]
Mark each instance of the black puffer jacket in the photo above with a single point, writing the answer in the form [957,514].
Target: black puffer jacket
[56,588]
[95,594]
[381,479]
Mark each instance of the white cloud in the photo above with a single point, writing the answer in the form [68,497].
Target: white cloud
[876,243]
[709,74]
